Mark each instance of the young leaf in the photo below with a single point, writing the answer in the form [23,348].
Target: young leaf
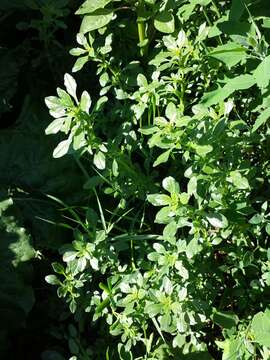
[70,85]
[55,126]
[171,112]
[62,148]
[99,160]
[85,102]
[159,199]
[79,63]
[162,158]
[52,280]
[171,185]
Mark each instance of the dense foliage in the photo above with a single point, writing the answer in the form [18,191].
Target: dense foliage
[167,249]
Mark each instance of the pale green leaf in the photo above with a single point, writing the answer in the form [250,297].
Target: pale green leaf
[85,102]
[261,119]
[163,158]
[261,328]
[79,63]
[62,148]
[70,85]
[171,185]
[96,20]
[159,199]
[262,73]
[55,126]
[164,22]
[230,54]
[99,160]
[218,221]
[90,6]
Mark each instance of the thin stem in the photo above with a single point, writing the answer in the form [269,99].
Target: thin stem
[216,8]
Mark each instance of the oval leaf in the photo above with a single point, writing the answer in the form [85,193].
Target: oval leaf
[96,20]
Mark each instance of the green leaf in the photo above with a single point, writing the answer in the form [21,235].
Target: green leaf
[159,199]
[142,81]
[192,186]
[179,341]
[230,54]
[170,231]
[203,150]
[225,319]
[148,130]
[239,181]
[181,269]
[171,185]
[77,51]
[5,204]
[62,148]
[261,119]
[262,73]
[53,102]
[79,63]
[100,160]
[85,102]
[241,82]
[153,309]
[218,221]
[96,20]
[70,85]
[231,348]
[69,256]
[164,22]
[184,198]
[163,158]
[260,326]
[90,6]
[171,112]
[52,280]
[256,219]
[55,126]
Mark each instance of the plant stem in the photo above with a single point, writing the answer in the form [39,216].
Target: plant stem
[216,8]
[141,28]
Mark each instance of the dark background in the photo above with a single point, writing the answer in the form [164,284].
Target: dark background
[35,39]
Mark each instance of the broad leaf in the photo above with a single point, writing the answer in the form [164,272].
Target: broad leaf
[218,221]
[90,6]
[260,326]
[171,185]
[159,199]
[230,54]
[96,20]
[262,73]
[261,119]
[164,22]
[99,160]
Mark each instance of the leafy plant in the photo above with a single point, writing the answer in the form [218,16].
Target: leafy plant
[180,123]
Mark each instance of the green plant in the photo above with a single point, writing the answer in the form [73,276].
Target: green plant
[180,123]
